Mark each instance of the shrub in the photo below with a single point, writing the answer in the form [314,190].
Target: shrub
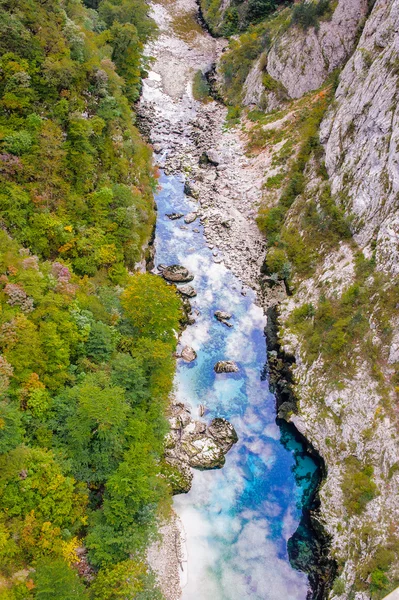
[201,91]
[358,486]
[307,14]
[339,586]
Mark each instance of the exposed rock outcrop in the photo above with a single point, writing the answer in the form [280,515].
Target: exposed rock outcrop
[361,136]
[191,443]
[301,59]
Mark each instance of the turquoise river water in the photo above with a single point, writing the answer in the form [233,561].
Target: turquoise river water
[238,519]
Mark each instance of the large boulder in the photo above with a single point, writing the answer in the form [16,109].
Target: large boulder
[190,217]
[187,290]
[223,433]
[191,444]
[188,354]
[223,317]
[226,366]
[177,274]
[206,454]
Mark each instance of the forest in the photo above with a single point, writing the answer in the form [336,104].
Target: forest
[86,343]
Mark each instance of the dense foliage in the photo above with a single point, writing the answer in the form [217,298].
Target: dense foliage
[238,16]
[86,349]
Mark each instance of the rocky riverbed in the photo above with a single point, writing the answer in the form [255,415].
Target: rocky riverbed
[227,184]
[191,138]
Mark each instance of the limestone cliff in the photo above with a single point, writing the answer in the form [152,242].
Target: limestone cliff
[361,135]
[347,402]
[330,212]
[300,59]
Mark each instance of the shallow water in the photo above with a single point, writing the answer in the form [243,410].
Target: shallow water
[238,519]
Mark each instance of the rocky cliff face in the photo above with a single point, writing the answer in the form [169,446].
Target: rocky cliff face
[301,59]
[349,413]
[361,135]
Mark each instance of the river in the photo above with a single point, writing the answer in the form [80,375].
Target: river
[237,520]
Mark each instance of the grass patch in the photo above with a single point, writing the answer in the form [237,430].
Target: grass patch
[274,182]
[186,26]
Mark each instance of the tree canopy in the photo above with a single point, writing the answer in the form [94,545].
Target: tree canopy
[86,350]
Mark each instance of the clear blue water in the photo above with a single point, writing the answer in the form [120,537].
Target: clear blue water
[238,519]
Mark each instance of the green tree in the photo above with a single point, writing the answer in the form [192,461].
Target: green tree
[53,578]
[38,505]
[152,306]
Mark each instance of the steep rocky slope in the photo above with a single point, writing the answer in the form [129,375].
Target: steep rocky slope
[330,214]
[360,135]
[341,321]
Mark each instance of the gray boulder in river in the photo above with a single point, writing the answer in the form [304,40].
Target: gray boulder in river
[226,366]
[223,317]
[187,290]
[191,443]
[188,354]
[177,274]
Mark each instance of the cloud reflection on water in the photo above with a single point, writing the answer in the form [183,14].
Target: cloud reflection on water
[237,519]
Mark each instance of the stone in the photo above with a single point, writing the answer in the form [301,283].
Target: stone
[227,223]
[174,216]
[187,290]
[206,454]
[188,354]
[223,317]
[223,432]
[191,190]
[177,274]
[178,474]
[226,366]
[190,218]
[213,157]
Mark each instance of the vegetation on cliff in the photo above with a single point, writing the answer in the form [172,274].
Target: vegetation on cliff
[84,380]
[341,314]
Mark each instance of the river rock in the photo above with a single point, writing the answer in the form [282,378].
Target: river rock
[226,366]
[223,317]
[223,432]
[207,454]
[191,190]
[191,217]
[177,274]
[174,216]
[213,157]
[187,290]
[178,474]
[188,354]
[190,443]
